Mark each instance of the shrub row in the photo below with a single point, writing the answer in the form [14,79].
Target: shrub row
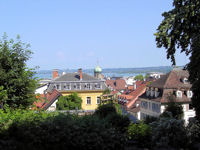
[40,130]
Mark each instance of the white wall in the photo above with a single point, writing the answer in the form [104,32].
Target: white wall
[53,106]
[149,111]
[41,90]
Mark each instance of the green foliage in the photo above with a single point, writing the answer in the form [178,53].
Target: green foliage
[104,110]
[106,91]
[181,29]
[40,130]
[146,76]
[175,109]
[16,79]
[112,117]
[70,102]
[3,95]
[119,122]
[193,131]
[150,119]
[169,133]
[118,108]
[139,77]
[140,134]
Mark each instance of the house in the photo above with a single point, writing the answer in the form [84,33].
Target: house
[41,89]
[117,85]
[89,88]
[47,101]
[173,86]
[129,100]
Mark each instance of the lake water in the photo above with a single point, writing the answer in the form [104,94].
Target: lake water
[110,72]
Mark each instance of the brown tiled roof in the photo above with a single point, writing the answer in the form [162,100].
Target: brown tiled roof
[47,100]
[136,93]
[166,94]
[118,84]
[172,80]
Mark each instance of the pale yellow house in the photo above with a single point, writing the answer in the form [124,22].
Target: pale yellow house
[89,88]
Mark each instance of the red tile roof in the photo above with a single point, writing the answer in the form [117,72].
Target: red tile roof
[118,84]
[44,101]
[139,91]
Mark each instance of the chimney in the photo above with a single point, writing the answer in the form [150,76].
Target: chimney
[55,73]
[80,73]
[135,86]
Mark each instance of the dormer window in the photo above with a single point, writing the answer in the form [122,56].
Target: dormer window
[77,86]
[58,87]
[87,86]
[97,85]
[156,92]
[185,80]
[189,94]
[179,94]
[152,92]
[67,87]
[147,91]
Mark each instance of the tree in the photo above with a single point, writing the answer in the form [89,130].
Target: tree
[175,109]
[180,29]
[139,77]
[106,91]
[70,102]
[16,79]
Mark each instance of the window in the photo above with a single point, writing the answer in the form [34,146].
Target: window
[67,86]
[179,94]
[77,86]
[98,100]
[88,101]
[97,85]
[156,92]
[185,80]
[190,107]
[189,94]
[87,86]
[58,87]
[144,104]
[155,107]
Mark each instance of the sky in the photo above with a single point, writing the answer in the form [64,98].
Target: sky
[71,34]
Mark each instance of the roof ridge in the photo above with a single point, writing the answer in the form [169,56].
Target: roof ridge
[168,74]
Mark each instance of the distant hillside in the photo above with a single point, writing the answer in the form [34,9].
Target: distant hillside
[110,71]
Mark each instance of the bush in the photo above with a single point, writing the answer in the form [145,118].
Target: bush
[40,130]
[169,133]
[69,102]
[140,134]
[175,109]
[193,130]
[104,110]
[150,119]
[119,122]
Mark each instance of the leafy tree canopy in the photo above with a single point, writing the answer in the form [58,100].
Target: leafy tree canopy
[70,102]
[139,77]
[106,91]
[17,82]
[180,29]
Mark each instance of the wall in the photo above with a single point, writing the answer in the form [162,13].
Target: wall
[84,95]
[148,110]
[41,90]
[53,106]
